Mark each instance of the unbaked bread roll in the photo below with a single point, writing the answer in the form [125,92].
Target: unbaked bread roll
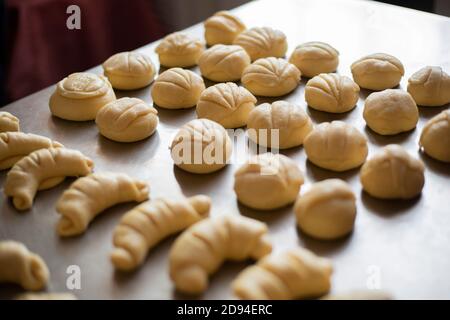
[223,63]
[43,169]
[89,196]
[313,58]
[177,88]
[291,274]
[435,137]
[201,146]
[222,28]
[16,145]
[79,96]
[327,210]
[8,122]
[200,250]
[144,226]
[179,49]
[331,92]
[262,42]
[227,104]
[390,111]
[268,181]
[336,146]
[127,120]
[19,265]
[360,295]
[292,123]
[271,77]
[46,296]
[129,70]
[430,87]
[393,174]
[377,71]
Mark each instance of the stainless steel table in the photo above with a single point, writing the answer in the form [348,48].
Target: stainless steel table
[401,246]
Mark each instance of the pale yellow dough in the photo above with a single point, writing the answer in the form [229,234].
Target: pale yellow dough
[271,77]
[43,169]
[430,87]
[227,104]
[292,123]
[46,296]
[222,28]
[144,226]
[262,42]
[268,181]
[435,137]
[200,250]
[390,111]
[79,96]
[393,174]
[20,266]
[177,88]
[287,275]
[89,196]
[8,122]
[127,120]
[336,146]
[313,58]
[179,49]
[327,210]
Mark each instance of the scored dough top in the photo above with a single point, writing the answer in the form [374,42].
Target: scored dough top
[378,62]
[316,50]
[272,71]
[223,20]
[179,43]
[83,85]
[129,64]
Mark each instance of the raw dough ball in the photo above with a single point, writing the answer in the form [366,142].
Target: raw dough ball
[8,122]
[435,137]
[331,92]
[292,122]
[127,120]
[177,88]
[268,181]
[222,63]
[179,50]
[262,42]
[377,71]
[129,70]
[393,174]
[430,86]
[271,77]
[327,211]
[79,96]
[313,58]
[227,104]
[201,146]
[336,146]
[222,28]
[390,112]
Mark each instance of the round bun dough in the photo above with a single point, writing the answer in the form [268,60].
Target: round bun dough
[223,63]
[8,122]
[435,137]
[377,71]
[313,58]
[268,181]
[430,87]
[292,123]
[127,120]
[391,111]
[201,146]
[177,88]
[271,77]
[222,28]
[327,210]
[79,96]
[262,42]
[179,49]
[331,92]
[227,104]
[336,146]
[393,174]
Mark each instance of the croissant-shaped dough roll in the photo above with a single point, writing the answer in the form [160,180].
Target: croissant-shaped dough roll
[89,196]
[8,122]
[430,86]
[19,265]
[262,42]
[179,49]
[222,28]
[200,250]
[292,274]
[143,227]
[43,169]
[46,296]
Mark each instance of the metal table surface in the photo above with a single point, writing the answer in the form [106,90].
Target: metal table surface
[401,246]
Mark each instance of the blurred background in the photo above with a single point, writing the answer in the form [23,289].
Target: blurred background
[37,52]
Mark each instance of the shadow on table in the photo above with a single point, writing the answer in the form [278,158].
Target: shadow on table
[430,112]
[438,167]
[320,174]
[323,247]
[267,216]
[382,140]
[388,208]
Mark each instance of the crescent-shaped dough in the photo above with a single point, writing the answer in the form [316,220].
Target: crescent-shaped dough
[141,228]
[200,250]
[89,196]
[8,122]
